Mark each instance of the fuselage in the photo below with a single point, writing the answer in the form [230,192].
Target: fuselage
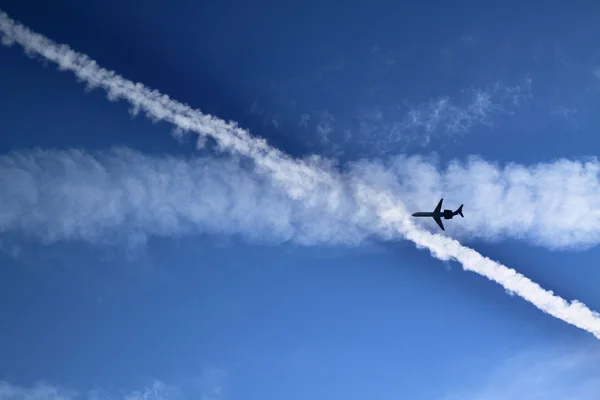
[446,214]
[426,214]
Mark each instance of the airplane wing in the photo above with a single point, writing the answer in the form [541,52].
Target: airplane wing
[439,221]
[439,206]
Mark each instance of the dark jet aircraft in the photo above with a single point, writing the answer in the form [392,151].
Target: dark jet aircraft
[437,214]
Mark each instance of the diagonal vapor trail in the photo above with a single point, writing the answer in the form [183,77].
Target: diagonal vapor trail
[309,180]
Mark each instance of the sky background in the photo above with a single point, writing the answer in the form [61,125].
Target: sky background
[228,314]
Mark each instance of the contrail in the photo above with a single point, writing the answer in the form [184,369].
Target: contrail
[110,196]
[311,181]
[552,204]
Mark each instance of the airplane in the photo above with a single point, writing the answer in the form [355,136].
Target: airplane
[437,214]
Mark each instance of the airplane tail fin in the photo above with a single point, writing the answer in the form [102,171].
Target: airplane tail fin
[459,211]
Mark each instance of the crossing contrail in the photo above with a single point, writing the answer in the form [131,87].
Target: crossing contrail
[312,181]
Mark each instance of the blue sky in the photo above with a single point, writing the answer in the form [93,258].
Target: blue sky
[177,257]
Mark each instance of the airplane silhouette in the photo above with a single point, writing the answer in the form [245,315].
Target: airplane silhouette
[437,214]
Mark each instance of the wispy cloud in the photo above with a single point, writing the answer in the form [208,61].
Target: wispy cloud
[312,181]
[390,128]
[324,127]
[212,384]
[45,391]
[40,391]
[385,126]
[549,374]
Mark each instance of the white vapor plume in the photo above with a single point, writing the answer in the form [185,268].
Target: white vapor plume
[311,181]
[105,196]
[549,204]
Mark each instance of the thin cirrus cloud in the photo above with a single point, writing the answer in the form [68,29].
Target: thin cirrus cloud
[542,374]
[385,129]
[211,384]
[45,391]
[312,181]
[384,126]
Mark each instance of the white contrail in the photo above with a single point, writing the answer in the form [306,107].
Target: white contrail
[548,204]
[109,196]
[101,180]
[306,180]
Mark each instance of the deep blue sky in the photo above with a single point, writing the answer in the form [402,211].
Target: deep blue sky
[267,321]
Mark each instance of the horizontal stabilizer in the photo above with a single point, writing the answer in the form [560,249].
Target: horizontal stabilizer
[439,222]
